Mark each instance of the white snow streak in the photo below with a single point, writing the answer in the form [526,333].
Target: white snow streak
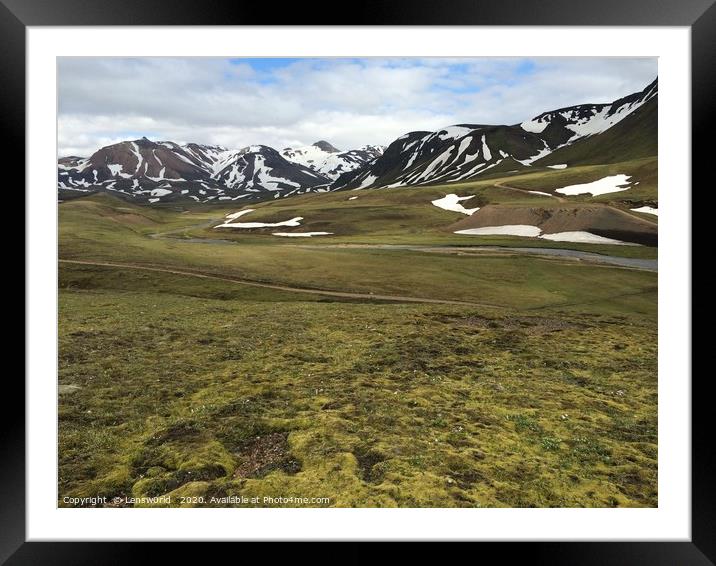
[485,149]
[293,222]
[369,180]
[138,155]
[240,213]
[464,144]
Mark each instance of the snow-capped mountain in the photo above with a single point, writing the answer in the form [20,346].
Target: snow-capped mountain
[310,155]
[139,158]
[259,168]
[167,171]
[567,125]
[325,159]
[142,169]
[451,154]
[467,151]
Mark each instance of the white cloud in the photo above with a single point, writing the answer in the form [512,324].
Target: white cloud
[348,102]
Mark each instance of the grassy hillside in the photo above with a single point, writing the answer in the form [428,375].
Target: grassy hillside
[642,171]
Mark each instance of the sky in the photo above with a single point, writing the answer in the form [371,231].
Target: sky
[293,102]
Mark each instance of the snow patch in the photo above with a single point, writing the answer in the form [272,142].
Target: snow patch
[452,202]
[536,232]
[293,222]
[558,166]
[115,169]
[506,230]
[534,126]
[369,180]
[301,234]
[646,210]
[583,238]
[610,184]
[453,132]
[485,149]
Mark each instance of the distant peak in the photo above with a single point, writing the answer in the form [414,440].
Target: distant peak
[144,141]
[257,148]
[325,146]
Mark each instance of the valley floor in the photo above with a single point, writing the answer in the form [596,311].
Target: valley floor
[359,376]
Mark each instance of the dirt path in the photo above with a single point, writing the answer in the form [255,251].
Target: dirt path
[527,192]
[619,211]
[204,224]
[308,291]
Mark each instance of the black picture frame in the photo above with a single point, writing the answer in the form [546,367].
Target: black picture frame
[699,15]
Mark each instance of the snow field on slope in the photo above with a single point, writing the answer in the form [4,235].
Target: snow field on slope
[452,202]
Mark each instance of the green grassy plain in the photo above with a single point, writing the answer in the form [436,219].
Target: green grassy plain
[539,391]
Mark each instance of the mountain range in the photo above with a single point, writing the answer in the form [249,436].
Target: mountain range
[165,171]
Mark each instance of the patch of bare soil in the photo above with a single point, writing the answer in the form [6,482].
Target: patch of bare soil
[598,219]
[265,454]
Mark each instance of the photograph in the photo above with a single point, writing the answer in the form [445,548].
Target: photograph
[357,282]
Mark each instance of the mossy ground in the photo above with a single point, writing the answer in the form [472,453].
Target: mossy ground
[171,384]
[367,404]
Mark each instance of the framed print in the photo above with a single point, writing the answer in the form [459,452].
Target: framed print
[414,277]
